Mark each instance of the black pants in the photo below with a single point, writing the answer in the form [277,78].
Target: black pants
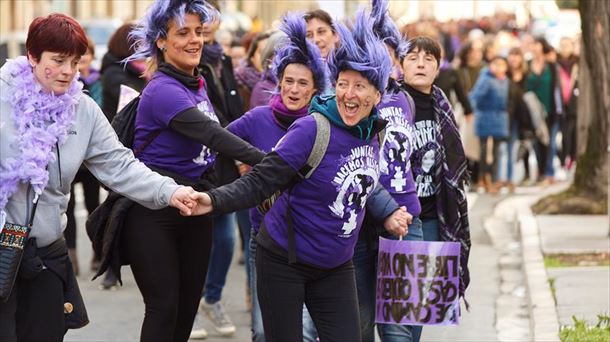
[35,310]
[91,188]
[169,257]
[330,296]
[484,166]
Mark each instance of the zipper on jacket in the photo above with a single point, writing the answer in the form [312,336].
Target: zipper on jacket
[58,163]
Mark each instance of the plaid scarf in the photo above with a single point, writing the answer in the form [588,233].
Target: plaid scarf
[451,177]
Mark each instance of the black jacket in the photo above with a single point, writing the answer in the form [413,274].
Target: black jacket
[228,106]
[115,73]
[448,80]
[226,99]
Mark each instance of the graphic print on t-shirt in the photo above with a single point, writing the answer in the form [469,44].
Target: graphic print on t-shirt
[206,156]
[397,148]
[424,157]
[357,177]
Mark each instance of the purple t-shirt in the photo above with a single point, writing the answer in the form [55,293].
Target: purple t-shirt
[328,208]
[259,129]
[394,162]
[163,98]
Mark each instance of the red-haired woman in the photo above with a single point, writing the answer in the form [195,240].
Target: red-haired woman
[48,129]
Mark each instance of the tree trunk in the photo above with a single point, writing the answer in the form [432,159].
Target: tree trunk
[589,192]
[592,168]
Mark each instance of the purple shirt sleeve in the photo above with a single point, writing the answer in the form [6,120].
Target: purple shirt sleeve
[167,107]
[242,126]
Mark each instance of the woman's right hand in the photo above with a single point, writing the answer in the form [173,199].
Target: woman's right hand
[204,203]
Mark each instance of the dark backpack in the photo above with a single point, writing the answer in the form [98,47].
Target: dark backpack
[124,124]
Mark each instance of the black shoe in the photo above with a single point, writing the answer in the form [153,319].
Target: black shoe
[110,281]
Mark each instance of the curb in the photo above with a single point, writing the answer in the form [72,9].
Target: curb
[544,323]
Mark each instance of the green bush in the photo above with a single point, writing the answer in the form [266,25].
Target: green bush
[581,332]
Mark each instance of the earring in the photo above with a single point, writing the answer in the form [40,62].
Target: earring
[163,49]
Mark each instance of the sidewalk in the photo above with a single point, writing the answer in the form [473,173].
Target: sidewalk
[582,291]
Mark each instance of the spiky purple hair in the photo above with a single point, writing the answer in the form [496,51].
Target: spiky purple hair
[385,29]
[301,51]
[360,50]
[156,20]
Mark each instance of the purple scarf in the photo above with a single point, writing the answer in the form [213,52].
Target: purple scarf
[41,121]
[282,115]
[451,177]
[247,75]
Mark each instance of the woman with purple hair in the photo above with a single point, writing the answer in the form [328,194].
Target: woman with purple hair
[306,240]
[396,174]
[302,73]
[49,128]
[176,124]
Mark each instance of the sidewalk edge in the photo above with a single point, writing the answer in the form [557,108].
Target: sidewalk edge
[544,322]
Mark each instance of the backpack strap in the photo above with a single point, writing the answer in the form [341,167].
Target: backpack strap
[319,146]
[381,138]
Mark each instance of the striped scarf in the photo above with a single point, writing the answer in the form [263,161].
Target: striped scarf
[451,177]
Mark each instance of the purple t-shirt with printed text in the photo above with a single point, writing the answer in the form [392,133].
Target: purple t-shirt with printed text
[163,98]
[394,162]
[259,129]
[328,208]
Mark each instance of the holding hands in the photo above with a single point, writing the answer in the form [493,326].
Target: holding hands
[398,223]
[191,202]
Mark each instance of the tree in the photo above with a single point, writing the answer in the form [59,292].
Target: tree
[588,194]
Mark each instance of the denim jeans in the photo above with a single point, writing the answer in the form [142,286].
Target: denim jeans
[258,332]
[511,152]
[223,243]
[365,263]
[244,225]
[550,168]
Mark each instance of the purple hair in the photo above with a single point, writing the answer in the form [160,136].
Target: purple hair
[301,51]
[360,50]
[155,22]
[385,29]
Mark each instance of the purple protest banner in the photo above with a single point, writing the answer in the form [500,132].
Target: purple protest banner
[418,282]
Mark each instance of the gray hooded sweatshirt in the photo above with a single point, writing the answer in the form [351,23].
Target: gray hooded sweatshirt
[91,141]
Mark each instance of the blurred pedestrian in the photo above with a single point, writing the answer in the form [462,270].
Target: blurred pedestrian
[115,72]
[568,80]
[489,98]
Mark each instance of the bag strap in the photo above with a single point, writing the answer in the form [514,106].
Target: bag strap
[151,137]
[319,146]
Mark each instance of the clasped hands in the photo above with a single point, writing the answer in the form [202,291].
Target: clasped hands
[190,202]
[398,223]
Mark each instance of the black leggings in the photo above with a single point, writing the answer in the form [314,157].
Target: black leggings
[330,297]
[168,254]
[34,311]
[91,188]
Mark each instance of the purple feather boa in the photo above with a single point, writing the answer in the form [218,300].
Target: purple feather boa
[41,120]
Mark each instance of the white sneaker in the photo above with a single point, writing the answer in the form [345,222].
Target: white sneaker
[198,332]
[219,318]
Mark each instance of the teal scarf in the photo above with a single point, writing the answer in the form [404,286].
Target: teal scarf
[327,106]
